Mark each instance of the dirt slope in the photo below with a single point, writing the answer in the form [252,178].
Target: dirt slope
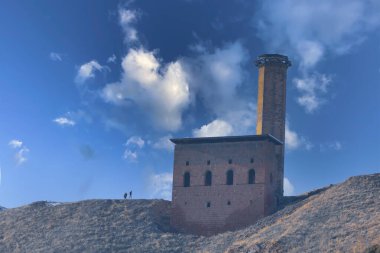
[342,218]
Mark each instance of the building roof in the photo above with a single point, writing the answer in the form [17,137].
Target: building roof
[227,139]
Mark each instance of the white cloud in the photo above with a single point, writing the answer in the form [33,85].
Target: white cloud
[160,185]
[310,31]
[130,155]
[288,187]
[112,58]
[63,121]
[55,56]
[20,156]
[294,141]
[164,143]
[135,140]
[215,128]
[21,153]
[216,75]
[336,145]
[163,91]
[126,19]
[312,88]
[133,145]
[311,28]
[87,71]
[15,143]
[333,145]
[223,70]
[242,118]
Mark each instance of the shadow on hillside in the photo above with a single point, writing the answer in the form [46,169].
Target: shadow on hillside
[289,200]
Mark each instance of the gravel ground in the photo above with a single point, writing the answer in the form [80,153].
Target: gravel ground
[340,218]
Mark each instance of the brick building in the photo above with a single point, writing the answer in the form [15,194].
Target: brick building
[225,183]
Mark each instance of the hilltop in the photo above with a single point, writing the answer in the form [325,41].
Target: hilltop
[339,218]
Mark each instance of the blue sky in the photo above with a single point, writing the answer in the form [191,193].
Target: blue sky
[90,91]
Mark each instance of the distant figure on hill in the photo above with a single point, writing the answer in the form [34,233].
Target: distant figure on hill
[126,195]
[130,194]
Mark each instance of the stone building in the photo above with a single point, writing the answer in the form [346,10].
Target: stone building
[225,183]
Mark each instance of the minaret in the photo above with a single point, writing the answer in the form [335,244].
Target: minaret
[271,104]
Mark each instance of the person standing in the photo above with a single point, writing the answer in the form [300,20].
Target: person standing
[126,195]
[130,194]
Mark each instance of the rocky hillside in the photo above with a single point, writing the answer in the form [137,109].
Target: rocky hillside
[340,218]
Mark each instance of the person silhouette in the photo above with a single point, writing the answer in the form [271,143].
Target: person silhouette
[126,195]
[130,194]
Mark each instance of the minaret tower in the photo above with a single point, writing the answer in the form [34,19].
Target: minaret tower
[271,104]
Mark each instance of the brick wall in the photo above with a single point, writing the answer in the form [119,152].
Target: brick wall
[231,206]
[271,104]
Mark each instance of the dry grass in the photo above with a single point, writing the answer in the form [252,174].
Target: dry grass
[342,218]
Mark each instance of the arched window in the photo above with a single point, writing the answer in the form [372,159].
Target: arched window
[271,178]
[208,178]
[230,177]
[251,176]
[186,179]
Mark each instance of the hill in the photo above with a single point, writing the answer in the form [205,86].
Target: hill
[340,218]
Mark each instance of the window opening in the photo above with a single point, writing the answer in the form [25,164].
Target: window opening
[251,176]
[208,178]
[186,179]
[230,177]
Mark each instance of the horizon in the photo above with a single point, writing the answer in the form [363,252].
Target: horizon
[92,91]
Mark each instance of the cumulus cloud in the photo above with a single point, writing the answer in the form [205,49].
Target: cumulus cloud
[215,128]
[21,151]
[294,141]
[126,19]
[15,143]
[164,143]
[312,30]
[20,155]
[224,71]
[63,121]
[300,26]
[87,71]
[216,74]
[112,58]
[312,88]
[162,90]
[133,145]
[130,155]
[165,91]
[288,187]
[160,185]
[135,140]
[55,56]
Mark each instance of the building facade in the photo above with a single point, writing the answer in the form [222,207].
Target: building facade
[225,183]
